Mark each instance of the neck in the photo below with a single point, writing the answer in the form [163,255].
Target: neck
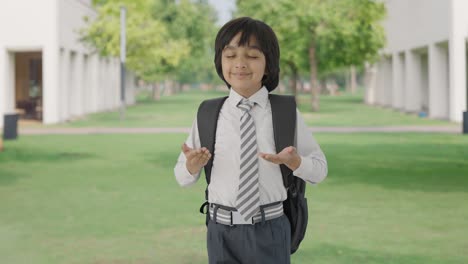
[246,93]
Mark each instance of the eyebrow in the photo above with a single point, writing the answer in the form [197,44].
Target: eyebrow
[230,47]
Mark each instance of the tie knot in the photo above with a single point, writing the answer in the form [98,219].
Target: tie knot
[245,105]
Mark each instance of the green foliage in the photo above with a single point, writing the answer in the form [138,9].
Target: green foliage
[344,32]
[351,36]
[164,37]
[193,21]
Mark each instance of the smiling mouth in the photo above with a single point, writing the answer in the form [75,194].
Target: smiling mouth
[241,74]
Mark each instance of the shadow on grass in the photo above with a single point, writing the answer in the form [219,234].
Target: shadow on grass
[15,157]
[161,159]
[8,176]
[13,154]
[415,167]
[328,253]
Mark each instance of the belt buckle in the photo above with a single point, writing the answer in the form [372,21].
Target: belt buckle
[237,219]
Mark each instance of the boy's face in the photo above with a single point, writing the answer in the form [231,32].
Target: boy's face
[243,66]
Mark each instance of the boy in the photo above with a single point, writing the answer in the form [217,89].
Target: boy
[247,223]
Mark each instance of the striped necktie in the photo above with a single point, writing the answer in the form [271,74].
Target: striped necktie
[248,197]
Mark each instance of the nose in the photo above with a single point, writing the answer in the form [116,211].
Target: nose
[240,63]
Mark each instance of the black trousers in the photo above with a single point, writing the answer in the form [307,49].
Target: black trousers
[268,242]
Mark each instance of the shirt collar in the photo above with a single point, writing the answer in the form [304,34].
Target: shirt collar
[260,97]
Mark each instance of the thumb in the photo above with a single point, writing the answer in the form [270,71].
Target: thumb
[291,149]
[185,148]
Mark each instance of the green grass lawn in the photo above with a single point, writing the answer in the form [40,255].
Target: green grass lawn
[389,198]
[179,111]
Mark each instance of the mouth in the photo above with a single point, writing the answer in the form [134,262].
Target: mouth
[240,74]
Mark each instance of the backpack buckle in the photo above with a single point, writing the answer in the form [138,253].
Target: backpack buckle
[202,208]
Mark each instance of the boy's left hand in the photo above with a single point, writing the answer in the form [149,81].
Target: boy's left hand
[288,156]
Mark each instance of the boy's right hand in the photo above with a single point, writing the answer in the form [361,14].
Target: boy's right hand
[196,158]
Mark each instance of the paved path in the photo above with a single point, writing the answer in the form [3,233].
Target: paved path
[147,130]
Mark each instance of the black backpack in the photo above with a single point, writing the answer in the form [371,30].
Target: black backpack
[284,125]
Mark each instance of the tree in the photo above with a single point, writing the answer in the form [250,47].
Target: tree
[331,34]
[193,21]
[167,39]
[151,50]
[275,14]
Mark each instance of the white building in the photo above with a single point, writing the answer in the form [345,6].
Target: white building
[46,73]
[423,67]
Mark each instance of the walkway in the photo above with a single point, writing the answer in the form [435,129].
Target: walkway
[146,130]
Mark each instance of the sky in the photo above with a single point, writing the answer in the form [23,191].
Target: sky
[224,8]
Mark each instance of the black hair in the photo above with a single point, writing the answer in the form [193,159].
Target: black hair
[266,39]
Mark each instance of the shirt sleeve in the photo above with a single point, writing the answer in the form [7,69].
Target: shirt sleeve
[182,175]
[313,167]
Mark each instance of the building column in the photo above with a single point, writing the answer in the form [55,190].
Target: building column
[413,87]
[116,82]
[380,82]
[64,107]
[370,83]
[398,80]
[7,83]
[78,84]
[51,84]
[72,87]
[388,82]
[3,82]
[93,82]
[457,60]
[438,82]
[101,87]
[424,81]
[86,85]
[104,88]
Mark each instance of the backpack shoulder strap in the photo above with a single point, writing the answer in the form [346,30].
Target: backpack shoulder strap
[207,120]
[283,110]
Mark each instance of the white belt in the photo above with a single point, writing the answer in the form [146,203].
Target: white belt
[230,216]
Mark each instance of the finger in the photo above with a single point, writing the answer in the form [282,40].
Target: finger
[206,159]
[291,149]
[271,158]
[207,151]
[206,156]
[185,148]
[198,158]
[189,155]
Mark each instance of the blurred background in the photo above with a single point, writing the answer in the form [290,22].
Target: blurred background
[91,127]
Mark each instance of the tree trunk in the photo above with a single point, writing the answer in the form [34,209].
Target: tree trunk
[168,87]
[314,87]
[156,94]
[353,80]
[293,80]
[178,86]
[348,81]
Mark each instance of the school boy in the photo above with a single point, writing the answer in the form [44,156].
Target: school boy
[247,224]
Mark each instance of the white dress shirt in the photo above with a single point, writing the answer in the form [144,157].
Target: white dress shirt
[226,167]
